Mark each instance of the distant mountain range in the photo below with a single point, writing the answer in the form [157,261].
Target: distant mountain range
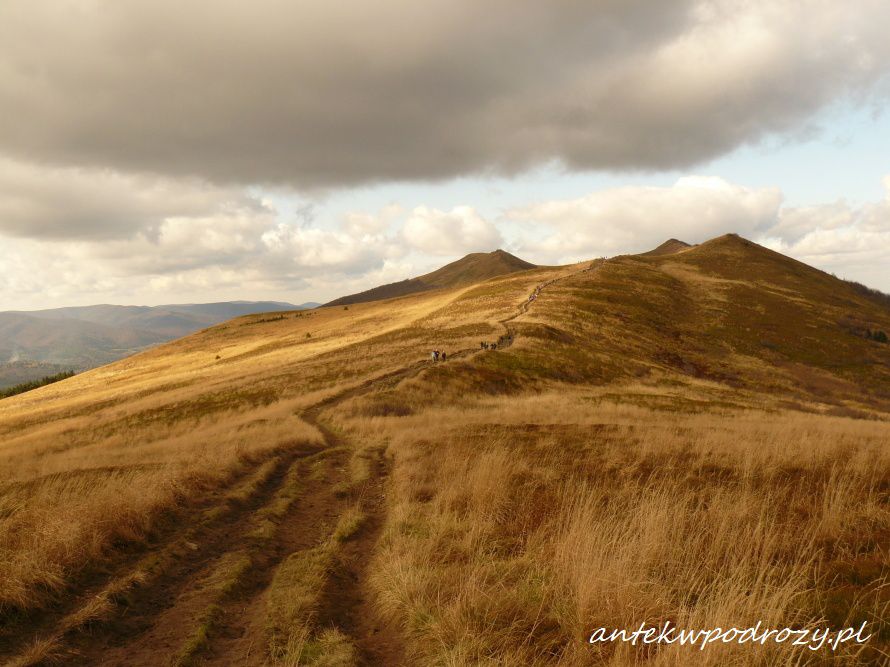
[42,342]
[473,268]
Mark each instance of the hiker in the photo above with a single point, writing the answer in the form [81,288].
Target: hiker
[482,345]
[435,355]
[432,356]
[443,355]
[494,346]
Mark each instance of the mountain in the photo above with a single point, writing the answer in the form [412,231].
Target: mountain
[686,426]
[669,247]
[733,312]
[34,342]
[473,268]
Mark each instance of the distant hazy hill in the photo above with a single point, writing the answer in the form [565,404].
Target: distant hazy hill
[41,342]
[473,268]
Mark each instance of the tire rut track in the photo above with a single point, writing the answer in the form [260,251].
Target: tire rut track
[240,636]
[159,619]
[52,624]
[346,603]
[186,553]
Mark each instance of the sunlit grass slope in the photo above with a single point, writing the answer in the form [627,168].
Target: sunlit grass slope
[94,461]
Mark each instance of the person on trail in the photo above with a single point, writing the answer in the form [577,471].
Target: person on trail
[436,355]
[482,345]
[494,346]
[432,356]
[443,355]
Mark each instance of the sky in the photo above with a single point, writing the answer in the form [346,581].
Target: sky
[157,152]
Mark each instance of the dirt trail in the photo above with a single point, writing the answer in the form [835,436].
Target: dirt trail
[346,603]
[191,614]
[533,297]
[239,637]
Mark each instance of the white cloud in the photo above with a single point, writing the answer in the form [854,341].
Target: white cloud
[155,240]
[634,219]
[456,232]
[225,244]
[853,242]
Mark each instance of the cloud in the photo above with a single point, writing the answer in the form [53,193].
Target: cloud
[634,219]
[163,241]
[456,232]
[313,94]
[194,260]
[75,203]
[249,249]
[362,223]
[853,241]
[335,252]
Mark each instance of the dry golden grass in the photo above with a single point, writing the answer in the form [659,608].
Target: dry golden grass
[668,438]
[55,523]
[526,523]
[96,461]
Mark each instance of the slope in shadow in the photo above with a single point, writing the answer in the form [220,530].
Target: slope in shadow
[669,247]
[473,268]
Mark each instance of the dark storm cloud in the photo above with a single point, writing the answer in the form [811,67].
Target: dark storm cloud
[335,94]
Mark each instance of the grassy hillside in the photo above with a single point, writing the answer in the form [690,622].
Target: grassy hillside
[698,436]
[728,317]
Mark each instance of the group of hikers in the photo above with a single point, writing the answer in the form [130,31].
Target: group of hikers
[502,341]
[534,295]
[441,355]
